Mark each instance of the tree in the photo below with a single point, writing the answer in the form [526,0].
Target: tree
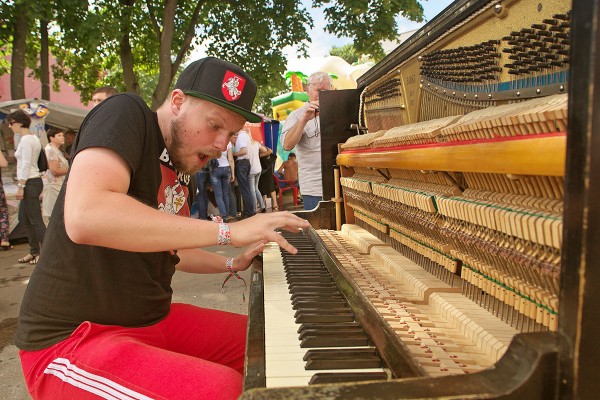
[119,41]
[368,22]
[19,46]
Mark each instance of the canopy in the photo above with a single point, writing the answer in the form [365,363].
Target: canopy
[60,115]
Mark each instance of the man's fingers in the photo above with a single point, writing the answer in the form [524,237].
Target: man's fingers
[280,240]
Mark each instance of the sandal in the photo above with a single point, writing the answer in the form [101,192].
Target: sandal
[26,259]
[275,209]
[35,260]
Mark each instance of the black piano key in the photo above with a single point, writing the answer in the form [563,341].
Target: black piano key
[339,354]
[323,305]
[301,286]
[320,316]
[313,289]
[318,325]
[334,377]
[305,280]
[300,295]
[322,341]
[296,297]
[332,331]
[303,302]
[330,311]
[344,340]
[342,359]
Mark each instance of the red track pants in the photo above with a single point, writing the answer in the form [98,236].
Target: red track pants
[194,353]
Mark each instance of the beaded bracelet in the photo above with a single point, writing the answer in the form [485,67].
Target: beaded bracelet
[229,266]
[224,234]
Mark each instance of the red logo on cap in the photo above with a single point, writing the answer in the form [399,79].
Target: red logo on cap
[232,86]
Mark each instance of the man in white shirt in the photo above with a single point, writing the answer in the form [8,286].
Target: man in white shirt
[302,130]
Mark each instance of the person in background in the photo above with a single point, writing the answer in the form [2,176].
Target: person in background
[202,179]
[241,141]
[97,317]
[69,139]
[288,170]
[301,129]
[221,176]
[255,151]
[235,200]
[266,183]
[30,185]
[103,93]
[58,166]
[4,222]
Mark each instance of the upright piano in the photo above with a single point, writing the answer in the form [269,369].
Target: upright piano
[456,252]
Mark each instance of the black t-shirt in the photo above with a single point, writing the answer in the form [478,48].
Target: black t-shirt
[73,283]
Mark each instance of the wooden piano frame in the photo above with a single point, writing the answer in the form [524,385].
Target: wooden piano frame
[560,365]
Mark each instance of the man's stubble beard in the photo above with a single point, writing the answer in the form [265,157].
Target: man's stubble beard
[176,151]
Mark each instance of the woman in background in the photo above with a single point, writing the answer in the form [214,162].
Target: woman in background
[255,151]
[4,223]
[266,183]
[55,174]
[30,185]
[222,175]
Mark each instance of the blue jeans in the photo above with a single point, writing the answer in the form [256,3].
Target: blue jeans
[30,214]
[310,202]
[234,194]
[202,199]
[219,178]
[242,173]
[254,188]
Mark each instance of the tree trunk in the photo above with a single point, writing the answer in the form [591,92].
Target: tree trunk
[129,78]
[165,75]
[44,60]
[17,68]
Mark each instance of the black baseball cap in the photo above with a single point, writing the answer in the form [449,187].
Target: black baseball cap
[221,83]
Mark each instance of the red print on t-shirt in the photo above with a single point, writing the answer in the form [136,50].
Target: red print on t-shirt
[172,195]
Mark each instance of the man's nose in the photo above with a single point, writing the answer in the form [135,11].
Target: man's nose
[221,141]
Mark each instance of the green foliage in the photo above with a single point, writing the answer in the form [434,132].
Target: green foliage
[368,22]
[346,52]
[92,40]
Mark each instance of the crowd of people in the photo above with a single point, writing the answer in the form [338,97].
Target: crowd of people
[34,184]
[240,178]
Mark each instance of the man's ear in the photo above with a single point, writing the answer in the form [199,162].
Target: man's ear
[177,98]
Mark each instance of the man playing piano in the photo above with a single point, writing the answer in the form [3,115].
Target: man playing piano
[96,320]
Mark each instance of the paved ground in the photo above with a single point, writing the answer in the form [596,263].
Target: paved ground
[201,290]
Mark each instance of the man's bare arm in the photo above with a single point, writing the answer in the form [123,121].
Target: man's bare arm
[99,212]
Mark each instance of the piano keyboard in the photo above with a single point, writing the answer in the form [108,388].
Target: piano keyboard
[311,335]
